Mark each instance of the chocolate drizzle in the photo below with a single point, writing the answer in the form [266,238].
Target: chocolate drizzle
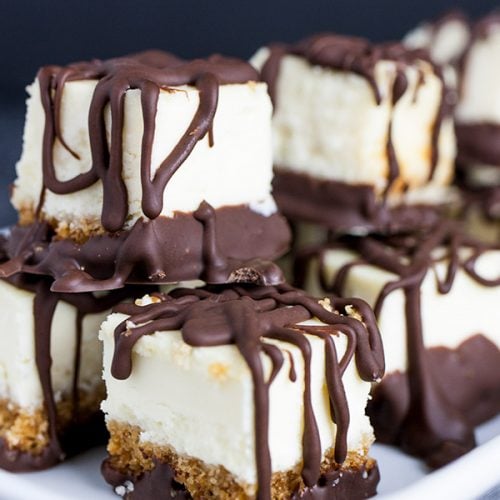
[149,72]
[246,317]
[219,246]
[44,306]
[359,56]
[432,428]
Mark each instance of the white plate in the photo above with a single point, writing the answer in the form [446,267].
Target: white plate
[401,476]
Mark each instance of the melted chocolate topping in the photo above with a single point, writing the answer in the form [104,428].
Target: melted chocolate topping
[44,306]
[359,56]
[150,72]
[432,428]
[246,317]
[230,244]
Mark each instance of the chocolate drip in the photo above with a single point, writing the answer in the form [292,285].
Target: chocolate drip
[150,72]
[44,306]
[359,56]
[246,316]
[432,427]
[209,244]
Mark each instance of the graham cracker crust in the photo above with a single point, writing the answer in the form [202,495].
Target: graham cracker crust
[131,457]
[28,432]
[78,231]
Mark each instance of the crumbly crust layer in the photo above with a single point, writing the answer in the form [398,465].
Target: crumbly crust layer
[78,231]
[28,431]
[130,456]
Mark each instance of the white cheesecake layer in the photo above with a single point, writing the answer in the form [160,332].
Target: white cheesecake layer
[236,170]
[447,319]
[19,380]
[199,401]
[328,124]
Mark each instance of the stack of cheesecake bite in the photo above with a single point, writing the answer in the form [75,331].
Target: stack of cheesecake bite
[364,157]
[138,174]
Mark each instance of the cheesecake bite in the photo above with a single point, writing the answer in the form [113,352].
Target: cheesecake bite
[50,372]
[240,392]
[435,297]
[140,168]
[468,49]
[362,133]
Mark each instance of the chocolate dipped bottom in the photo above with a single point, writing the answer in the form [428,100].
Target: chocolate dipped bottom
[247,316]
[430,410]
[159,484]
[467,377]
[230,244]
[342,207]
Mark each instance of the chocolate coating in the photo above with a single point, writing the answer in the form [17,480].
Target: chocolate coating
[433,427]
[230,244]
[343,207]
[468,377]
[478,142]
[245,316]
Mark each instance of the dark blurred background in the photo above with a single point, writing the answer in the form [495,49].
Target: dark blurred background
[34,33]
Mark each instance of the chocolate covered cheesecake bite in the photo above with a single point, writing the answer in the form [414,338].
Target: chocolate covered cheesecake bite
[240,392]
[50,372]
[147,168]
[435,295]
[362,133]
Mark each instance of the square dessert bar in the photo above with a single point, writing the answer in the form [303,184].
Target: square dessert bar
[146,168]
[436,299]
[358,128]
[147,135]
[240,392]
[50,372]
